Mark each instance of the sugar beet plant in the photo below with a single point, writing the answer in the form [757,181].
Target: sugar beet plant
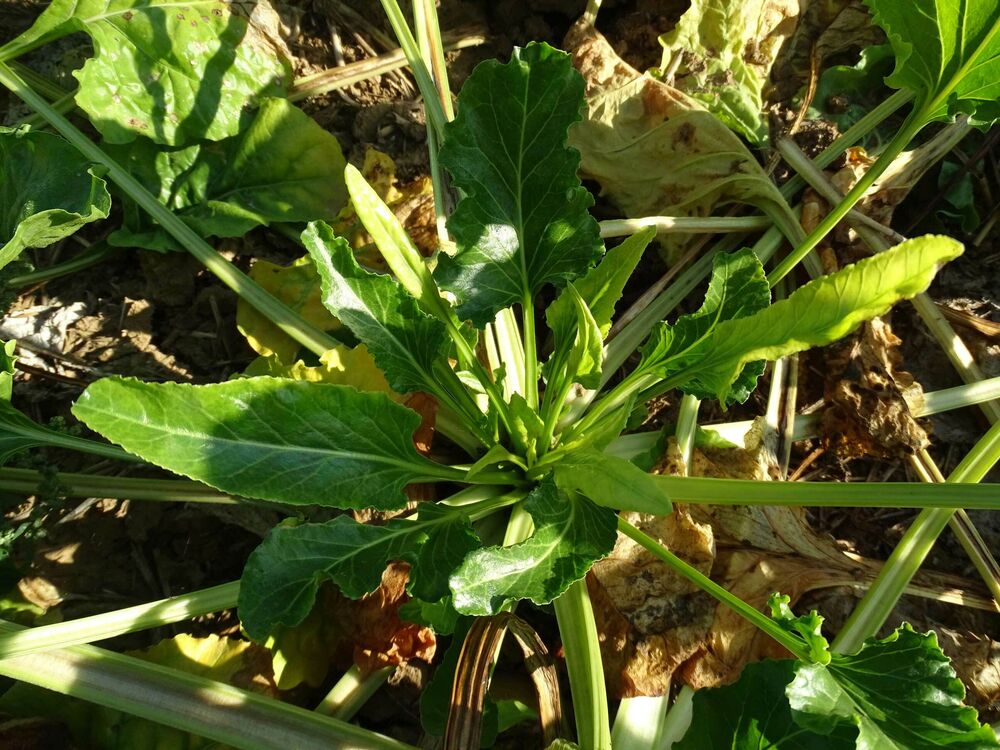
[507,331]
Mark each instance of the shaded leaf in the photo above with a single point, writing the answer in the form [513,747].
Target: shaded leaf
[47,191]
[405,341]
[724,52]
[570,533]
[753,714]
[524,221]
[947,52]
[173,73]
[280,440]
[284,573]
[283,167]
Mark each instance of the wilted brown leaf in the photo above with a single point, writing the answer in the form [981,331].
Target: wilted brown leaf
[976,659]
[868,397]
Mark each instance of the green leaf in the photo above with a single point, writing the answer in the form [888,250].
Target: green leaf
[899,693]
[947,52]
[47,191]
[818,313]
[753,714]
[611,482]
[7,359]
[405,342]
[570,534]
[579,351]
[267,438]
[726,50]
[172,72]
[737,289]
[846,93]
[526,426]
[282,168]
[283,574]
[523,222]
[602,287]
[439,616]
[807,627]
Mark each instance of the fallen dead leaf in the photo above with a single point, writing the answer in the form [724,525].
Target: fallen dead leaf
[868,397]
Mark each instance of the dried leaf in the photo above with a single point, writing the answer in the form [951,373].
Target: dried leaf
[869,396]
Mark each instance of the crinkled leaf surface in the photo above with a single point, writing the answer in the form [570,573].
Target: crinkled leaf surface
[737,288]
[900,693]
[726,52]
[405,341]
[818,313]
[524,220]
[655,151]
[947,52]
[753,714]
[268,438]
[571,533]
[282,167]
[611,482]
[173,72]
[283,574]
[47,191]
[298,286]
[808,627]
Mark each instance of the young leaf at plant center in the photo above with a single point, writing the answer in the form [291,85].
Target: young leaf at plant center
[602,287]
[899,692]
[948,53]
[524,221]
[47,191]
[173,73]
[611,482]
[407,343]
[338,366]
[753,713]
[283,167]
[268,438]
[298,286]
[818,313]
[737,289]
[579,348]
[283,574]
[526,426]
[725,52]
[807,627]
[570,533]
[655,151]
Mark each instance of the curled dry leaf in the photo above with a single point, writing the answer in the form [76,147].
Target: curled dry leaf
[339,632]
[976,659]
[655,150]
[868,397]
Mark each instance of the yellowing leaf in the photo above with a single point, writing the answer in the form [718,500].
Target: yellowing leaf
[298,287]
[340,366]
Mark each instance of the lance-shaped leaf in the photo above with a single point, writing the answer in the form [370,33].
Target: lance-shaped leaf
[47,191]
[724,52]
[738,288]
[571,533]
[524,220]
[818,313]
[405,341]
[172,72]
[282,167]
[267,438]
[898,692]
[612,482]
[283,574]
[579,347]
[947,52]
